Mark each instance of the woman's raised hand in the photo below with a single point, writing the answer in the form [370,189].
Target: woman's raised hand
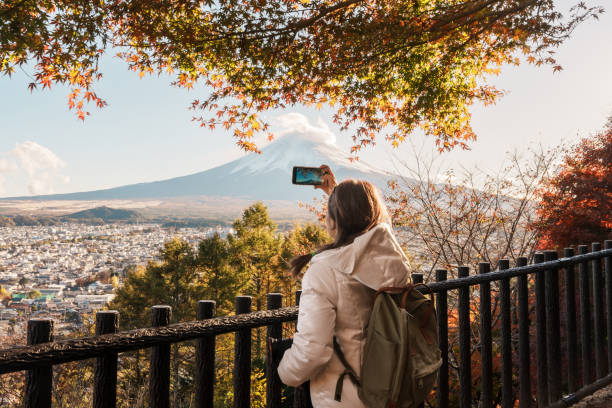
[329,181]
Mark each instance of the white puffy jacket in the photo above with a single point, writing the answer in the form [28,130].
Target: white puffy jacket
[337,297]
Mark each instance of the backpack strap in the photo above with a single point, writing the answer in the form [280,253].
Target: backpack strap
[390,289]
[348,370]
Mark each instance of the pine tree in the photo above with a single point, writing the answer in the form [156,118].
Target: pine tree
[221,280]
[255,254]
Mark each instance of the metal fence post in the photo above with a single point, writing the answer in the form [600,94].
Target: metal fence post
[506,338]
[570,311]
[608,272]
[542,370]
[598,311]
[465,352]
[442,311]
[486,348]
[417,277]
[524,352]
[585,318]
[553,331]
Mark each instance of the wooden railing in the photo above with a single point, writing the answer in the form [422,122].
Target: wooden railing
[588,349]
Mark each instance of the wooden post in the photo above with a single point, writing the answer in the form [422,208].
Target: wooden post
[242,358]
[275,331]
[301,394]
[159,377]
[105,367]
[39,380]
[205,359]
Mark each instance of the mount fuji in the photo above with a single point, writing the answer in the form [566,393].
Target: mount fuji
[265,176]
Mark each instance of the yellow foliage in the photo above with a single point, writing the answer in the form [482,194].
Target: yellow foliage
[4,294]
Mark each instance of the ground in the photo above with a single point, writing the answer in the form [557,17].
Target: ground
[601,399]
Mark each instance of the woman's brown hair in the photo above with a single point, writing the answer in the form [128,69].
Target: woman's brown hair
[355,207]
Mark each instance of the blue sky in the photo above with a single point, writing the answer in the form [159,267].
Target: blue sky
[146,132]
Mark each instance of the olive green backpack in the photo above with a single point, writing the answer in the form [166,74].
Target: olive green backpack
[401,356]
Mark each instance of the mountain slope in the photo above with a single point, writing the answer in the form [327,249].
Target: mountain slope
[262,177]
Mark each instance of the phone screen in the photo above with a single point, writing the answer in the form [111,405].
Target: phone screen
[307,175]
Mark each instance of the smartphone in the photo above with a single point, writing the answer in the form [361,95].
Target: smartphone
[307,176]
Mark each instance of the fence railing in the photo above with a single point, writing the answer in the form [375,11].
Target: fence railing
[572,360]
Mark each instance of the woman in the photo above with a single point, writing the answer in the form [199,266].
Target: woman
[338,290]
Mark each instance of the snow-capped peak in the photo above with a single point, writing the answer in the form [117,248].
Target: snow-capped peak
[297,149]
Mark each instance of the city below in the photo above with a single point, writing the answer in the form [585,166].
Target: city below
[68,271]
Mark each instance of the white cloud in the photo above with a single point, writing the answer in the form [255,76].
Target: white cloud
[34,158]
[296,123]
[39,164]
[7,166]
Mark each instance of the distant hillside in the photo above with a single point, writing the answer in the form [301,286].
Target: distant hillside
[27,221]
[98,215]
[104,213]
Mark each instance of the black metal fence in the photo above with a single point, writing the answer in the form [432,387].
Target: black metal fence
[586,351]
